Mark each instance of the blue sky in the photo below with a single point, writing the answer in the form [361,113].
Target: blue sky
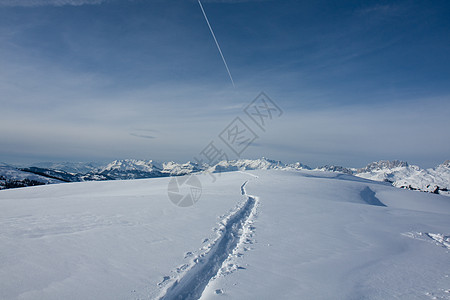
[358,81]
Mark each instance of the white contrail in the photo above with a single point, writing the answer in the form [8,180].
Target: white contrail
[217,43]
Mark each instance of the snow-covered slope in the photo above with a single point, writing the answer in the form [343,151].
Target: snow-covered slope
[264,234]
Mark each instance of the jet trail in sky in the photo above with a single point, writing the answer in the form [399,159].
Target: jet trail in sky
[217,43]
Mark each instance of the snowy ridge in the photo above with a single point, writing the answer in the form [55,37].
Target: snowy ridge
[382,165]
[412,177]
[176,169]
[131,165]
[254,164]
[136,169]
[12,177]
[338,169]
[400,174]
[15,174]
[69,167]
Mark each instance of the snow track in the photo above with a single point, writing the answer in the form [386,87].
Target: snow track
[193,283]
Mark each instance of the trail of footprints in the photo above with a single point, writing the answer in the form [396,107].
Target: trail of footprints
[216,258]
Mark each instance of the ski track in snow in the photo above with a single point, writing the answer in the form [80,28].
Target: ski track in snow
[209,265]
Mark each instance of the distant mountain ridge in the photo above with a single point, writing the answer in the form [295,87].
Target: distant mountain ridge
[11,177]
[403,175]
[69,167]
[399,173]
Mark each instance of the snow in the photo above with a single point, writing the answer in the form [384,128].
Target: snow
[261,234]
[69,167]
[400,174]
[410,176]
[254,164]
[132,165]
[316,238]
[174,168]
[103,240]
[11,173]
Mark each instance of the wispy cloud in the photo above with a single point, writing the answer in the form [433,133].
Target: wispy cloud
[34,3]
[144,133]
[386,9]
[145,136]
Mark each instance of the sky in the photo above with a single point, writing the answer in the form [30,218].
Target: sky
[356,81]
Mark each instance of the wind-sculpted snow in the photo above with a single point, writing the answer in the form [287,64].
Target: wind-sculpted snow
[369,197]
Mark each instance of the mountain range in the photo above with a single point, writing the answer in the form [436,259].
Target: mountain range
[398,173]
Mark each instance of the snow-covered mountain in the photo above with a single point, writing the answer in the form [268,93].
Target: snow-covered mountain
[137,169]
[398,173]
[129,169]
[254,164]
[11,177]
[69,167]
[402,175]
[297,166]
[339,169]
[175,169]
[55,174]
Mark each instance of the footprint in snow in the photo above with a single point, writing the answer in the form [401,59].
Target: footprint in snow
[165,279]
